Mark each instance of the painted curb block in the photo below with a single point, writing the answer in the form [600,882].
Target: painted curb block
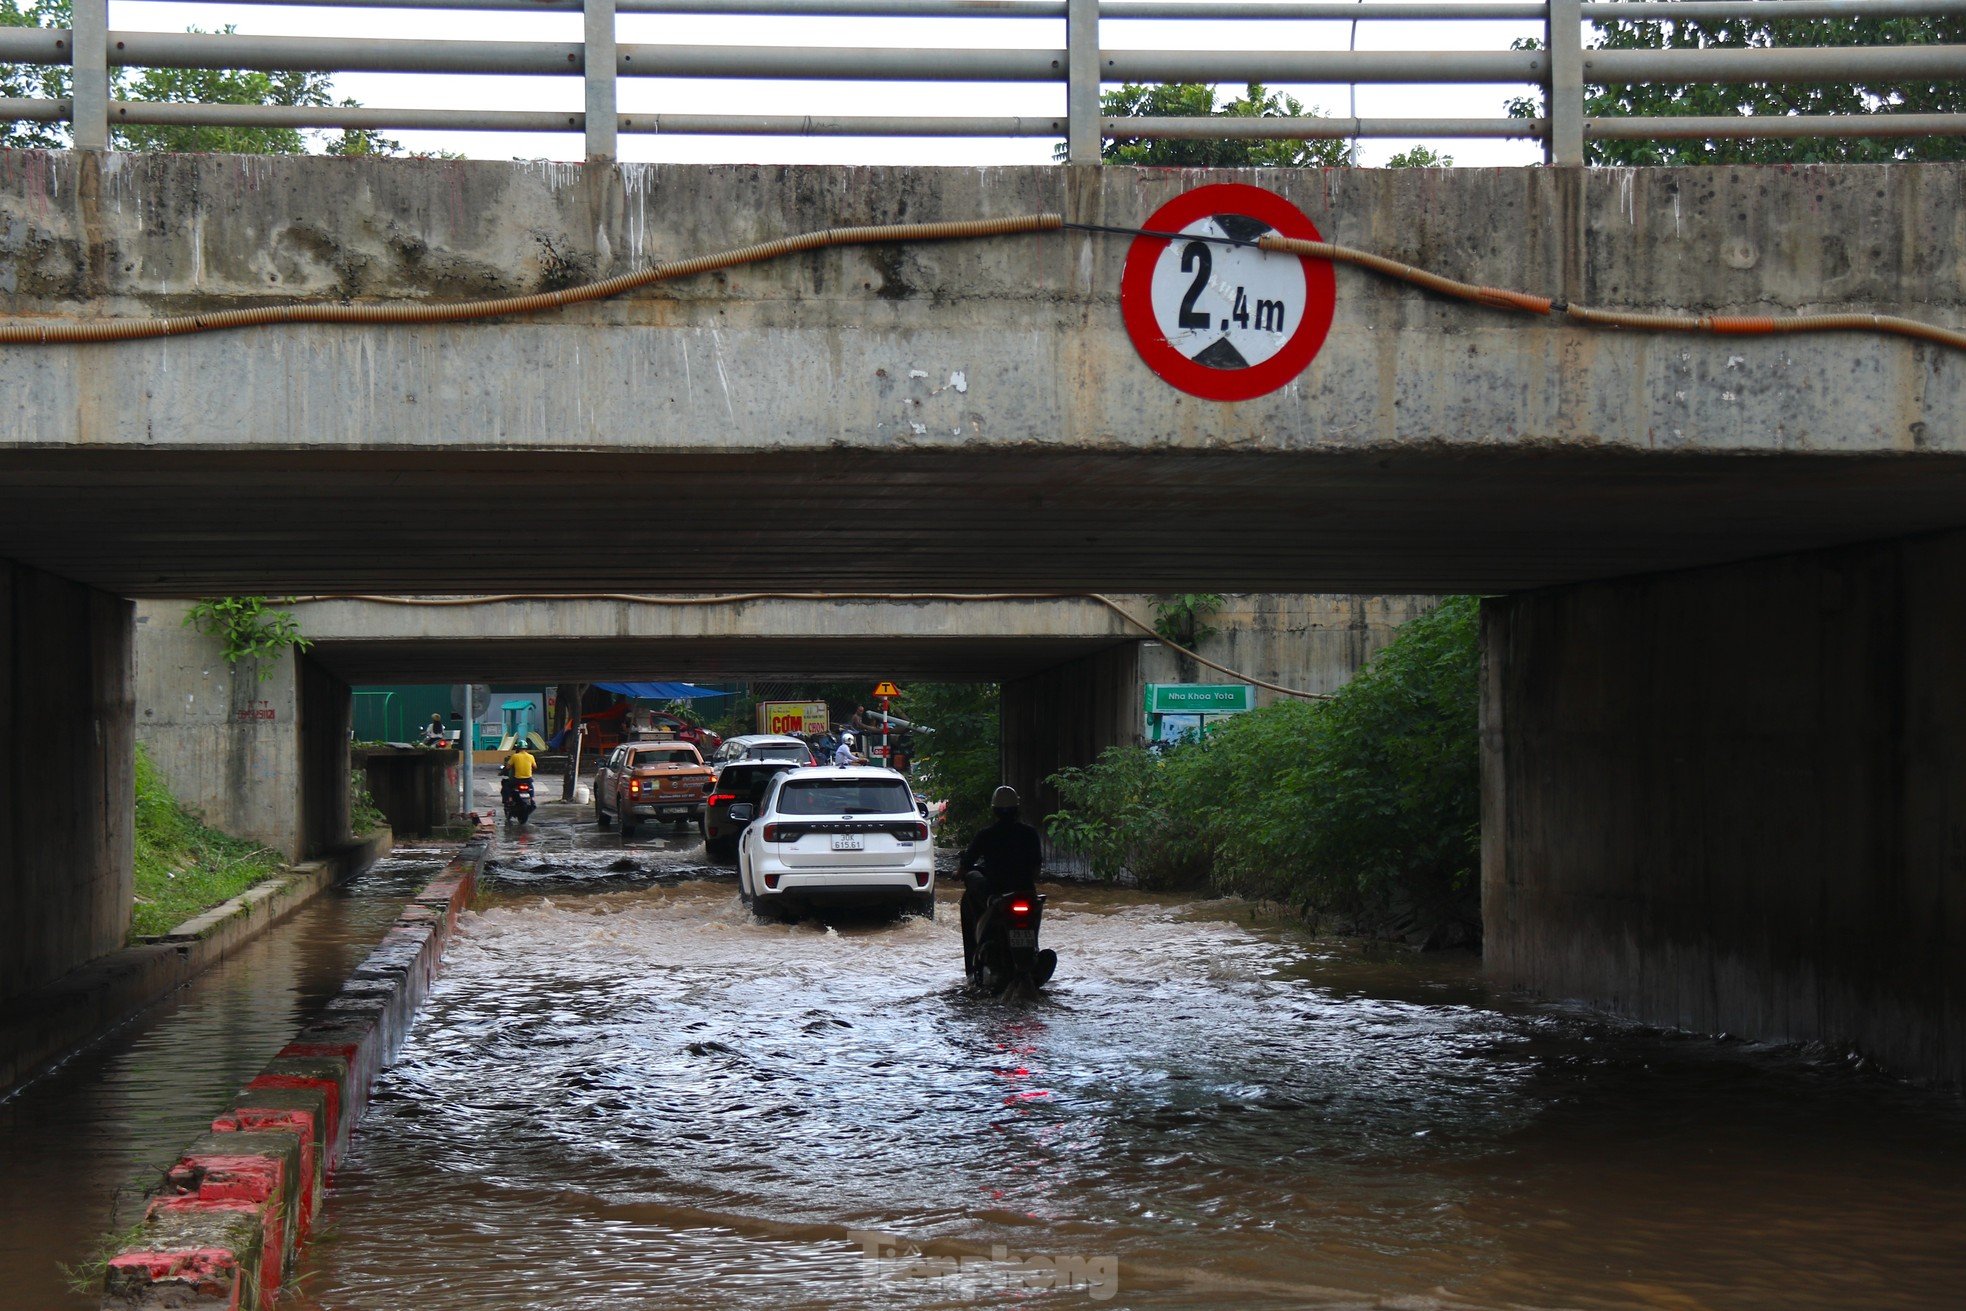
[227,1224]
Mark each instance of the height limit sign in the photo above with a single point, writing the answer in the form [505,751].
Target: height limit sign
[1211,313]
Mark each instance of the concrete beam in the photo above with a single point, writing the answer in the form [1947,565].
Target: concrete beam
[961,415]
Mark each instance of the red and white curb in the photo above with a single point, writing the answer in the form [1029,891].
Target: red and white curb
[228,1222]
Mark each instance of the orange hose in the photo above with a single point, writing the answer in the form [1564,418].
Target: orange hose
[103,330]
[1497,297]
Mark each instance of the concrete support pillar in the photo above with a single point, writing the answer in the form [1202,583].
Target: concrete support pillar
[327,713]
[67,797]
[1735,799]
[1065,716]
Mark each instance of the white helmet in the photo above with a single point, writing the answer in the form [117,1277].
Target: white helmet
[846,739]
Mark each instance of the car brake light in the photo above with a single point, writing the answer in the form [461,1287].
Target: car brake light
[719,798]
[771,832]
[634,785]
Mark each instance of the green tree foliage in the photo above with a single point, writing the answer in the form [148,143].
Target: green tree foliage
[177,86]
[1770,99]
[1198,100]
[961,761]
[1420,156]
[1364,806]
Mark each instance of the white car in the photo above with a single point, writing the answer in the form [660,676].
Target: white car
[850,835]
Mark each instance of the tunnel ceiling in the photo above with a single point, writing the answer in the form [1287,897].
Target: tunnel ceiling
[550,660]
[1418,519]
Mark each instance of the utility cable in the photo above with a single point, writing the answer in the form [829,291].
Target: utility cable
[112,330]
[740,598]
[102,330]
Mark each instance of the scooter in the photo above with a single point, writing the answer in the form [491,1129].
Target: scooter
[1008,960]
[518,801]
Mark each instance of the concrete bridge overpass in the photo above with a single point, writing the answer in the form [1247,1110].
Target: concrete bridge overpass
[1722,719]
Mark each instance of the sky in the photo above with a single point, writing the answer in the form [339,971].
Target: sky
[641,95]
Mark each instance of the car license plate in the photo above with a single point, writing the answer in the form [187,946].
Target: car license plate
[1023,937]
[849,842]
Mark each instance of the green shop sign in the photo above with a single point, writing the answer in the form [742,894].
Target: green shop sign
[1199,698]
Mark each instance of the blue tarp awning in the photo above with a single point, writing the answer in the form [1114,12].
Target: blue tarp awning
[660,691]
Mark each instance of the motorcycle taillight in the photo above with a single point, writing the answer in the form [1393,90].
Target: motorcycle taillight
[1020,910]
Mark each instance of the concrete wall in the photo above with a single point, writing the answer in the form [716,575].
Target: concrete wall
[225,740]
[1313,642]
[66,790]
[1735,799]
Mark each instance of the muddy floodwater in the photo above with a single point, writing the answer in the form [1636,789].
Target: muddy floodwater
[626,1093]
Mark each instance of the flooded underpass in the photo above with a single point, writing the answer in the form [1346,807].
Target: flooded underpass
[624,1092]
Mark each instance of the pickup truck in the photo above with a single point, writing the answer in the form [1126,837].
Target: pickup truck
[650,782]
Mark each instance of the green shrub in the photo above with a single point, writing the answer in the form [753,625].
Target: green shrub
[961,761]
[1364,806]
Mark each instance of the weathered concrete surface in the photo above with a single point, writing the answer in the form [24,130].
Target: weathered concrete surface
[225,739]
[963,415]
[1066,716]
[1735,799]
[325,715]
[416,790]
[66,789]
[1309,642]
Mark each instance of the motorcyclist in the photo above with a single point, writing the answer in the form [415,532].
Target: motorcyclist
[519,765]
[843,753]
[1010,854]
[434,735]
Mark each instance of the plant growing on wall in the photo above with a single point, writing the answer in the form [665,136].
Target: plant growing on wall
[248,629]
[1182,619]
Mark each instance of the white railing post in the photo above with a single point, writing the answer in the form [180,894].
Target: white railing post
[88,79]
[1082,136]
[598,64]
[1565,42]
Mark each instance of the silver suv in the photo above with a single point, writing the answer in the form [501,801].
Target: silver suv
[764,746]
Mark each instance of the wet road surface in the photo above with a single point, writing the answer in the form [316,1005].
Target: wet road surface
[626,1093]
[79,1145]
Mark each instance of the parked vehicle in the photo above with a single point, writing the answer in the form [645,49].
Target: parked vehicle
[739,782]
[650,782]
[835,836]
[766,746]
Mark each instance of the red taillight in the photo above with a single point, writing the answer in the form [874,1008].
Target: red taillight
[634,785]
[771,881]
[771,832]
[1020,909]
[910,832]
[720,798]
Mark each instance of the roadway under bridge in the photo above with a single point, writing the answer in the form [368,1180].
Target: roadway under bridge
[1724,782]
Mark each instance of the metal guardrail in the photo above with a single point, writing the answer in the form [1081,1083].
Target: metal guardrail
[1562,68]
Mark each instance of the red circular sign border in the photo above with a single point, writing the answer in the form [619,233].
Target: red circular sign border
[1137,301]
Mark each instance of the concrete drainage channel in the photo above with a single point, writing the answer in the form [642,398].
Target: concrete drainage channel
[224,1228]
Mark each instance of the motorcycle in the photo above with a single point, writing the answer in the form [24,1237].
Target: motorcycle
[518,801]
[1008,959]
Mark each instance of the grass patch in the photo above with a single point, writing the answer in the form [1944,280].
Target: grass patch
[183,867]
